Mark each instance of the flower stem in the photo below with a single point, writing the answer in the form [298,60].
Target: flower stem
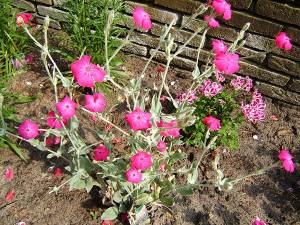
[255,173]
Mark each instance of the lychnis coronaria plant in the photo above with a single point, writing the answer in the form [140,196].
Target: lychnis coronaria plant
[144,173]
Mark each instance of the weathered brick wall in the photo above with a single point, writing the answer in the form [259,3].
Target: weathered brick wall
[277,73]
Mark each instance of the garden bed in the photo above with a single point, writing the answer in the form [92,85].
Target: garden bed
[275,197]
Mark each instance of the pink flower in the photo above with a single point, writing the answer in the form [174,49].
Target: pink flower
[283,41]
[95,102]
[86,73]
[288,165]
[255,111]
[142,19]
[66,108]
[141,161]
[9,174]
[9,196]
[258,222]
[287,160]
[133,176]
[227,63]
[138,120]
[219,46]
[54,122]
[28,130]
[161,146]
[107,222]
[212,22]
[210,89]
[53,140]
[223,8]
[284,154]
[57,172]
[169,129]
[213,123]
[160,69]
[23,18]
[101,153]
[163,98]
[29,58]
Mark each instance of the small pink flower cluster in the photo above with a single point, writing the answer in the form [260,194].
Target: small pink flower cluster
[139,162]
[255,111]
[240,83]
[210,89]
[287,160]
[189,97]
[219,77]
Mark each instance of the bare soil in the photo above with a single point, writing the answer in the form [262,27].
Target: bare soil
[274,197]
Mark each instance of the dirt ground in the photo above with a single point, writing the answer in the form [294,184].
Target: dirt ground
[274,197]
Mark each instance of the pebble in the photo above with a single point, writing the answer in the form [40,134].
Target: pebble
[28,83]
[255,137]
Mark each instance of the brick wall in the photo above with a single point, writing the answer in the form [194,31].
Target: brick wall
[277,73]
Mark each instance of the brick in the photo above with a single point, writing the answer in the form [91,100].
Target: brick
[22,4]
[268,44]
[259,42]
[147,40]
[294,34]
[294,85]
[186,6]
[222,32]
[278,11]
[180,36]
[53,23]
[260,73]
[284,65]
[157,14]
[278,93]
[178,61]
[135,49]
[205,56]
[258,25]
[252,54]
[293,54]
[53,13]
[240,4]
[126,22]
[47,2]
